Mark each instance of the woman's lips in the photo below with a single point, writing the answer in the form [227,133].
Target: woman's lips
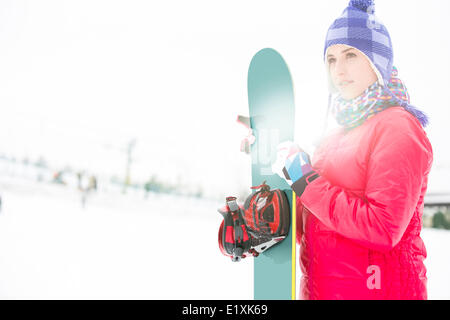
[345,83]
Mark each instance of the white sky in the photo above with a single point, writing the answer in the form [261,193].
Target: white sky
[78,79]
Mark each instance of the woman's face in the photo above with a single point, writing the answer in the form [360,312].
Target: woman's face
[350,70]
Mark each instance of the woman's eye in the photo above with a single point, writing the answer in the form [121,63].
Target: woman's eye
[331,60]
[351,55]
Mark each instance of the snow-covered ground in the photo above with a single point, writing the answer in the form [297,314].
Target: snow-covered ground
[128,247]
[119,247]
[437,263]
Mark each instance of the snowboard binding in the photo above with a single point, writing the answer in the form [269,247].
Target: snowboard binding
[261,223]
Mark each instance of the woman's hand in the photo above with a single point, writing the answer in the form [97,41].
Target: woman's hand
[294,165]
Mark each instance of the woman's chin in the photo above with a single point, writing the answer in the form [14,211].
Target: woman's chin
[348,96]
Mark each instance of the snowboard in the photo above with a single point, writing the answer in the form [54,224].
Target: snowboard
[272,117]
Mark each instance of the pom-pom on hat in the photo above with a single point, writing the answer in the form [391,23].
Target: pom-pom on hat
[358,27]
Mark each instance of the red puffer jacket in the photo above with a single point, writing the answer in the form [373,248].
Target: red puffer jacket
[359,223]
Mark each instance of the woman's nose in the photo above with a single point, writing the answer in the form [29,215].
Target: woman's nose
[340,67]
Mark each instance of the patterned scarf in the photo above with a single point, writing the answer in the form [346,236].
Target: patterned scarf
[352,113]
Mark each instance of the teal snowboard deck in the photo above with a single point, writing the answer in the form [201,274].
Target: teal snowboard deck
[272,117]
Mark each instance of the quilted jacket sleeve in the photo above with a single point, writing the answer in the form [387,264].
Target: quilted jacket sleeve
[399,161]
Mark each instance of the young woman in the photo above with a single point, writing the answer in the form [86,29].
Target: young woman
[361,200]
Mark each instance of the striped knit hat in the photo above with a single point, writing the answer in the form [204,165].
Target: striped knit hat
[358,27]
